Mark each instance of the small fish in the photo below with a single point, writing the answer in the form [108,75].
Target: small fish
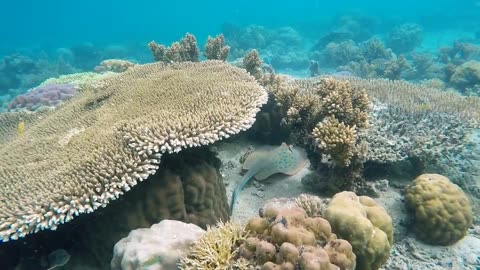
[151,261]
[21,127]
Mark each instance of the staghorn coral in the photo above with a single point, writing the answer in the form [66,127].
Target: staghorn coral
[183,51]
[253,64]
[337,54]
[215,48]
[123,128]
[442,210]
[335,139]
[216,249]
[363,223]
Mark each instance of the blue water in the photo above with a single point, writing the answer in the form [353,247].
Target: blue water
[58,23]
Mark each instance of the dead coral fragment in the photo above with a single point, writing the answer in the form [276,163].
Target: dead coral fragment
[215,48]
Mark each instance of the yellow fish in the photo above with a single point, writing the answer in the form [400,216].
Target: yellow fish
[21,127]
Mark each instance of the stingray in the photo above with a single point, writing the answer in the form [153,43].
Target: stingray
[261,164]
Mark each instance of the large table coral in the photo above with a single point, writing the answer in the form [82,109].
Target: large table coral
[99,145]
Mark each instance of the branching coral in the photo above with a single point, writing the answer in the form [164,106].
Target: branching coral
[216,49]
[253,64]
[305,103]
[216,249]
[185,50]
[336,139]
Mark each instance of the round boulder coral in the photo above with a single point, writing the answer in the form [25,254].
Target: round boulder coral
[442,210]
[363,223]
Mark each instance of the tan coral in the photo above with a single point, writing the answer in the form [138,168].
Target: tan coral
[443,212]
[126,126]
[289,239]
[115,65]
[216,49]
[366,226]
[335,139]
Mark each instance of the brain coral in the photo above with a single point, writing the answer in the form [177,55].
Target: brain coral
[81,156]
[442,210]
[365,224]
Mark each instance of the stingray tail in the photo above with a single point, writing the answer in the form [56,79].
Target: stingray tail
[246,178]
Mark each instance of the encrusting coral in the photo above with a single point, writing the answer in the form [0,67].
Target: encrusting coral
[442,210]
[363,223]
[45,96]
[105,140]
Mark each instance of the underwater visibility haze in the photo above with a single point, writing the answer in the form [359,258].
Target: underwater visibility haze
[295,135]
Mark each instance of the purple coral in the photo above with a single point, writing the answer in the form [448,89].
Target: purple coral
[50,95]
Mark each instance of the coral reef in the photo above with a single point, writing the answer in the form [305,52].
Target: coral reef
[363,223]
[337,54]
[466,76]
[253,64]
[216,49]
[162,245]
[442,210]
[335,139]
[405,38]
[46,96]
[305,103]
[81,80]
[216,249]
[183,51]
[288,238]
[108,139]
